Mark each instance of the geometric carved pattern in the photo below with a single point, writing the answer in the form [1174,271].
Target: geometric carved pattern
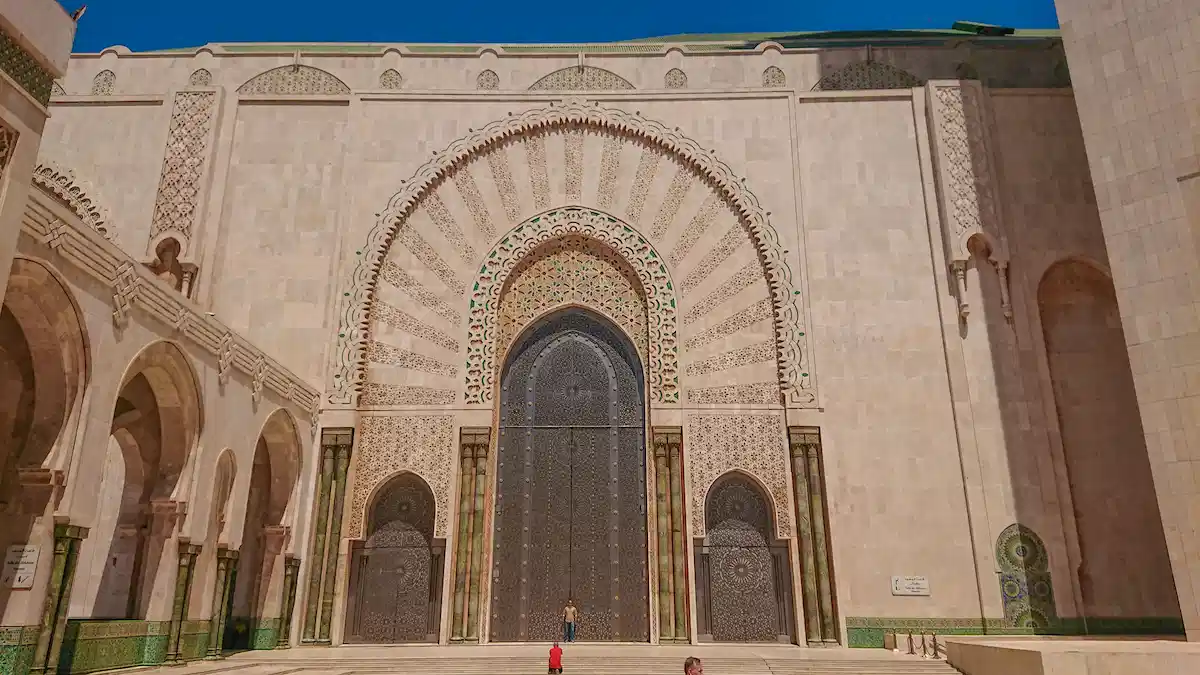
[24,69]
[753,444]
[572,270]
[759,311]
[675,79]
[1025,585]
[389,444]
[73,193]
[488,80]
[102,84]
[482,360]
[756,353]
[766,393]
[773,78]
[8,145]
[57,90]
[491,143]
[380,394]
[183,166]
[200,77]
[581,78]
[867,75]
[390,79]
[739,281]
[960,138]
[294,80]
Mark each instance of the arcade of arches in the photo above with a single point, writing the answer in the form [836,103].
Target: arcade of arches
[708,387]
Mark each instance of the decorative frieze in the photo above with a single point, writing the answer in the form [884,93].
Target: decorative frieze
[867,75]
[133,286]
[77,195]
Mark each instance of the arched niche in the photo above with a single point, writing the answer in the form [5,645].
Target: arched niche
[867,75]
[743,574]
[294,80]
[396,572]
[1124,568]
[581,78]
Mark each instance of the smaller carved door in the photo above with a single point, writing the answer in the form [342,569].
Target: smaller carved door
[395,575]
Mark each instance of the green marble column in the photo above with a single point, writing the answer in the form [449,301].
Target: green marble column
[466,500]
[291,574]
[797,440]
[477,568]
[184,573]
[678,550]
[333,546]
[320,523]
[816,492]
[813,526]
[67,539]
[226,564]
[662,507]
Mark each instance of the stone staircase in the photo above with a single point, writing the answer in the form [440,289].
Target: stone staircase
[578,660]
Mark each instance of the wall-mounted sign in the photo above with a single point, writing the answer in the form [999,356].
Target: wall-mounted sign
[20,564]
[911,586]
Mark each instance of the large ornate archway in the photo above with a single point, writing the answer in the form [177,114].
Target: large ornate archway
[408,280]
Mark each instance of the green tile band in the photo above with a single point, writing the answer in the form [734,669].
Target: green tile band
[869,632]
[91,646]
[17,646]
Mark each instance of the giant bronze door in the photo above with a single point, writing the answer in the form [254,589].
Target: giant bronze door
[570,519]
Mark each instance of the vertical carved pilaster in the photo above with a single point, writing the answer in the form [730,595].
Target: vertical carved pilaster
[477,571]
[321,523]
[291,579]
[678,550]
[813,526]
[226,568]
[67,539]
[184,574]
[662,505]
[342,467]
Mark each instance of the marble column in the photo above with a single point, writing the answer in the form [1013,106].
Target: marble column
[67,539]
[321,523]
[184,576]
[468,548]
[332,547]
[291,574]
[226,568]
[812,525]
[662,507]
[678,549]
[474,620]
[336,444]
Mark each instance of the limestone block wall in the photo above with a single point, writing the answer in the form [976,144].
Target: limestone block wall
[1143,159]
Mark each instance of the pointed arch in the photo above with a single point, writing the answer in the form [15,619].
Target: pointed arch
[294,80]
[73,192]
[581,78]
[866,75]
[782,306]
[280,438]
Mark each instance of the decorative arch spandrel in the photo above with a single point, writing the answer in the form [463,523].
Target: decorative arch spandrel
[459,169]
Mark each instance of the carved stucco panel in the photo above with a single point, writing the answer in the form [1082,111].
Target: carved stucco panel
[389,444]
[753,444]
[184,162]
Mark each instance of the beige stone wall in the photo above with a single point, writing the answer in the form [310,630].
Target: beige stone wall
[935,435]
[1133,66]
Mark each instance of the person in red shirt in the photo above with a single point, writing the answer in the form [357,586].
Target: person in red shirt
[555,659]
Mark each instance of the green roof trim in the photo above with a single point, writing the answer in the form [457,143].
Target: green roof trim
[961,30]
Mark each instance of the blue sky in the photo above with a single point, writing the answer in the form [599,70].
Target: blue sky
[157,24]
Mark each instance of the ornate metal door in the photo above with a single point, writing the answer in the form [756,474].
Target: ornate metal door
[570,519]
[742,578]
[395,575]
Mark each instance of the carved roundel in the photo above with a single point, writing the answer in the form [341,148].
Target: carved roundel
[347,377]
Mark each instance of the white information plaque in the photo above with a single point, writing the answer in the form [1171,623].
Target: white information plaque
[20,563]
[911,586]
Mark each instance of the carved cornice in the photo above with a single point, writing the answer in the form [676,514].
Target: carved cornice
[350,356]
[135,288]
[76,193]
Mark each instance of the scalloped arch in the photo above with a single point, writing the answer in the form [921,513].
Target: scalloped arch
[76,194]
[349,367]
